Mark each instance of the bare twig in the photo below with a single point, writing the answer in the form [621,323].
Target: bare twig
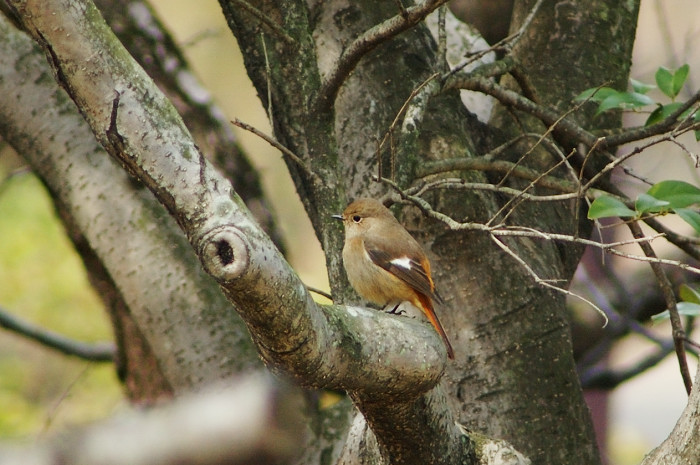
[100,352]
[487,163]
[548,283]
[271,25]
[403,108]
[667,290]
[505,43]
[692,343]
[268,76]
[516,231]
[367,42]
[460,183]
[686,243]
[390,131]
[442,40]
[291,155]
[318,291]
[636,151]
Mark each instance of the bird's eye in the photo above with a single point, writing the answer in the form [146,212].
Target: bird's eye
[357,218]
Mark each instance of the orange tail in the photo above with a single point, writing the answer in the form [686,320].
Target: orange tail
[427,306]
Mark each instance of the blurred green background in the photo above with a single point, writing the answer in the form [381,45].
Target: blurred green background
[43,281]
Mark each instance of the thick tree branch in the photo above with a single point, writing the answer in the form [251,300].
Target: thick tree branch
[140,30]
[154,275]
[681,446]
[253,421]
[330,347]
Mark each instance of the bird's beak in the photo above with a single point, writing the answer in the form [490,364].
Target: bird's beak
[337,217]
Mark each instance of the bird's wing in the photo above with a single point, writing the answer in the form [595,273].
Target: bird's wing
[408,270]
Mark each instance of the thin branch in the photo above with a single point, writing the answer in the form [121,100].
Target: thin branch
[402,110]
[460,183]
[517,231]
[622,158]
[566,127]
[667,291]
[486,163]
[506,43]
[547,282]
[271,25]
[291,155]
[563,126]
[268,76]
[692,343]
[665,125]
[100,352]
[610,379]
[318,291]
[657,260]
[370,39]
[442,40]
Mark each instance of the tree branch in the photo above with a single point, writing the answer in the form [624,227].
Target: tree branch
[270,24]
[251,421]
[172,307]
[370,39]
[667,290]
[100,352]
[610,379]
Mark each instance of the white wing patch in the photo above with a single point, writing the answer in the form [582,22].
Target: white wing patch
[403,262]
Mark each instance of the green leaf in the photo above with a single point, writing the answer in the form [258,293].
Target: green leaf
[641,87]
[679,194]
[679,78]
[689,216]
[624,100]
[595,94]
[664,79]
[684,309]
[688,294]
[662,112]
[606,207]
[671,81]
[645,203]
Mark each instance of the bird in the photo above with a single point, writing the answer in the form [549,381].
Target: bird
[385,264]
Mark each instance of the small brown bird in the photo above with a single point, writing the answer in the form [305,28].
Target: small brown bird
[385,264]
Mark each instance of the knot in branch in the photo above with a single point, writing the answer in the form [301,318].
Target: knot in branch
[224,253]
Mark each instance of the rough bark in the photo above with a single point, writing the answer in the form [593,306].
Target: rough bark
[512,338]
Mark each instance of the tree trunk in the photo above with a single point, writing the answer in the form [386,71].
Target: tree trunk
[332,97]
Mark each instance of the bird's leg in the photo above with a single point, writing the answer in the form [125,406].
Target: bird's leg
[393,308]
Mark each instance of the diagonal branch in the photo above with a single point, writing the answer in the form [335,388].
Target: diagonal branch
[370,39]
[99,352]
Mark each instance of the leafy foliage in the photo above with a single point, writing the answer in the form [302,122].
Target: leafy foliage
[689,304]
[669,82]
[662,198]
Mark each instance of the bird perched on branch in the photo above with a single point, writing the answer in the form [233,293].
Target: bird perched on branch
[385,264]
